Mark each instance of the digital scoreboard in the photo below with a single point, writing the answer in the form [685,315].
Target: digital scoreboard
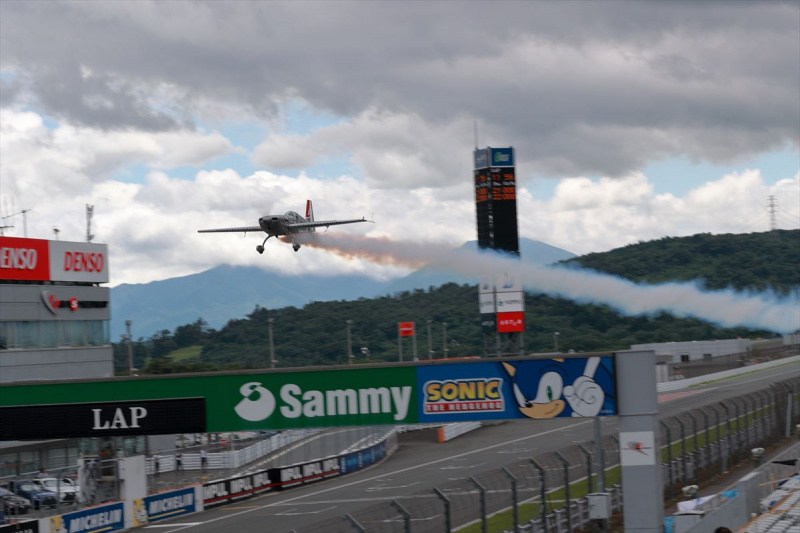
[496,199]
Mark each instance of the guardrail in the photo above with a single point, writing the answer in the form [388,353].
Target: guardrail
[686,383]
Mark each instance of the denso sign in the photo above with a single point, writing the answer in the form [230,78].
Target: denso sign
[42,260]
[24,259]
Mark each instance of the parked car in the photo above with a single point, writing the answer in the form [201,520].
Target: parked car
[72,483]
[66,490]
[12,504]
[28,489]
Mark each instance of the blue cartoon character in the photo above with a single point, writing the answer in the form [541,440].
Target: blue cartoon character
[561,387]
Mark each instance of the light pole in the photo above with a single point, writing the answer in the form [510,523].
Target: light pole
[130,348]
[444,339]
[349,343]
[430,341]
[271,344]
[555,340]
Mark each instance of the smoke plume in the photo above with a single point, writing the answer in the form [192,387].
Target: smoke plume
[727,308]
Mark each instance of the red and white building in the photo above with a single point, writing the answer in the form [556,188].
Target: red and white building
[54,313]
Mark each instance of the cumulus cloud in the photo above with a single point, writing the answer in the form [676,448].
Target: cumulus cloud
[39,162]
[151,226]
[582,88]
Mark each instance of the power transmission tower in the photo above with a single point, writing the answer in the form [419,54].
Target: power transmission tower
[772,224]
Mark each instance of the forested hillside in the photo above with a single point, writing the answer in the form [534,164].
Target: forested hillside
[758,261]
[317,333]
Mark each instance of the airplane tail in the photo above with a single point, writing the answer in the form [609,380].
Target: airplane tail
[309,212]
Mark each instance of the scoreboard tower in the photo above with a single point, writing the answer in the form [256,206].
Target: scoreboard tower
[496,199]
[501,298]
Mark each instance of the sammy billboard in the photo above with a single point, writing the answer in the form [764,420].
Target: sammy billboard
[375,395]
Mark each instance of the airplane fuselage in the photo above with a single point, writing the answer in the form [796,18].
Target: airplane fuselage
[277,225]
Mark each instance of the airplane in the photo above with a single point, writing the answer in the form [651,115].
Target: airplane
[288,224]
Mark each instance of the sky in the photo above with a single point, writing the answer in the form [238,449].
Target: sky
[631,121]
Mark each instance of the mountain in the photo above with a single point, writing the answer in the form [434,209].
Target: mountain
[228,292]
[221,294]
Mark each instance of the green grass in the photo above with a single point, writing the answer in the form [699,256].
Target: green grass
[185,353]
[504,520]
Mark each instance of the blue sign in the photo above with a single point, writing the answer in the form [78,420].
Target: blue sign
[502,157]
[105,518]
[536,389]
[481,158]
[170,504]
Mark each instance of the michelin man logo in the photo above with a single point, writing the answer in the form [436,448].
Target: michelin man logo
[57,524]
[140,517]
[258,403]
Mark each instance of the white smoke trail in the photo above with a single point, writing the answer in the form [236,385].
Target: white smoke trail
[727,308]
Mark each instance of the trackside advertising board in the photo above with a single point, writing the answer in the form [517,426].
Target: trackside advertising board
[104,518]
[385,394]
[163,506]
[28,526]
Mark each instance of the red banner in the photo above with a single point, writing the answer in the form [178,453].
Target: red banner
[510,322]
[24,259]
[405,329]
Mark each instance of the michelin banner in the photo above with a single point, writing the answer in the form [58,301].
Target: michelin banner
[104,518]
[163,506]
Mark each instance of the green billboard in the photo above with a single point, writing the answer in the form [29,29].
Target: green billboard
[441,392]
[275,400]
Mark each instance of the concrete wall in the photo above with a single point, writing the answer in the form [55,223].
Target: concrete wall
[56,363]
[696,349]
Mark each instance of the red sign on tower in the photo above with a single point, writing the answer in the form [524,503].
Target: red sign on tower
[511,322]
[405,329]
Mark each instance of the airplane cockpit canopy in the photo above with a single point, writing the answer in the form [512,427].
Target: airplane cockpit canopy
[292,216]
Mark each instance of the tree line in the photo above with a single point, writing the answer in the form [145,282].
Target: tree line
[317,334]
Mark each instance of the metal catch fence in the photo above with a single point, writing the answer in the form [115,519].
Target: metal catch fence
[547,493]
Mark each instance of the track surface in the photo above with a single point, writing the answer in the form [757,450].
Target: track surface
[422,465]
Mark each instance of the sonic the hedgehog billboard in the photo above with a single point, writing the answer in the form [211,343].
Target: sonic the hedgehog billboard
[540,389]
[370,395]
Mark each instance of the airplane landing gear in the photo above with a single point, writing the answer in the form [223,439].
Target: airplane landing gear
[260,247]
[296,247]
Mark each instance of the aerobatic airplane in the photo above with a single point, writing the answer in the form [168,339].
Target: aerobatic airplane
[288,224]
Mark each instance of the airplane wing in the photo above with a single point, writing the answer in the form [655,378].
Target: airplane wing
[323,223]
[231,230]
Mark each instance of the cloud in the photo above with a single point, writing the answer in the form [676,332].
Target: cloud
[69,158]
[580,88]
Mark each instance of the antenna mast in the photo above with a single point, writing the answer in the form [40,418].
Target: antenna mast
[89,214]
[24,221]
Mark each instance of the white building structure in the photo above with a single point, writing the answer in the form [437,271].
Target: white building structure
[683,352]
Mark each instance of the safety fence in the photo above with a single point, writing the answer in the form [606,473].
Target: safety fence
[547,492]
[229,459]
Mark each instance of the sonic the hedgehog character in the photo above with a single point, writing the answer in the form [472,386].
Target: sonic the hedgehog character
[542,393]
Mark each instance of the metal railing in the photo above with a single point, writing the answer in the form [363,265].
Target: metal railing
[547,492]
